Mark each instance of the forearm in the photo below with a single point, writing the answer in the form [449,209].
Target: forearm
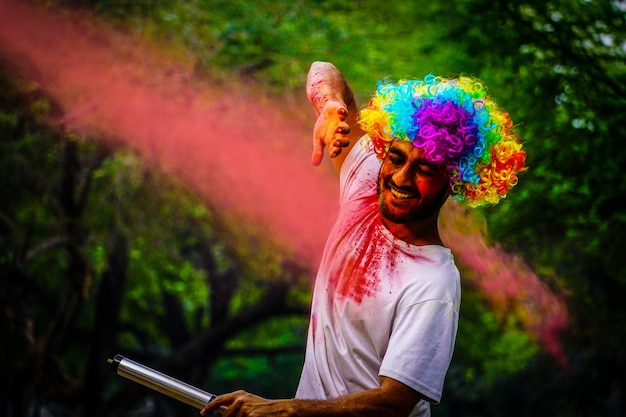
[391,399]
[368,403]
[325,83]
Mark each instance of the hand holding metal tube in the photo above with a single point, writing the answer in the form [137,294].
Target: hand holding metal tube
[160,382]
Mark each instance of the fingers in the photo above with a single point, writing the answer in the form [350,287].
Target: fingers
[318,152]
[337,146]
[334,149]
[343,129]
[238,404]
[330,131]
[220,403]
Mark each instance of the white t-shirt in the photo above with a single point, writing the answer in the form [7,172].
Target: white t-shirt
[381,306]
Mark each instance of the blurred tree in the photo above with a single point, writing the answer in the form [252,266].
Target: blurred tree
[102,254]
[557,66]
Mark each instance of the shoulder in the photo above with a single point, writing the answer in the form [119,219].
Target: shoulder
[361,151]
[359,171]
[432,276]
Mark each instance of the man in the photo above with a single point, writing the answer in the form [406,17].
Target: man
[386,300]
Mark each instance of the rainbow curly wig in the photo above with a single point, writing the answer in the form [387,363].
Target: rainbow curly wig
[457,124]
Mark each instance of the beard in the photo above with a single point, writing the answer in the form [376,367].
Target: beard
[423,211]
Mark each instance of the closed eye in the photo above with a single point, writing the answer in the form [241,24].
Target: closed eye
[427,167]
[396,157]
[395,160]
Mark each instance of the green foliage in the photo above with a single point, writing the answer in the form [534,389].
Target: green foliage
[265,360]
[510,348]
[100,253]
[122,9]
[564,80]
[557,67]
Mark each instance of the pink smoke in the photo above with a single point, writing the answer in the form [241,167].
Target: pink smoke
[239,149]
[247,154]
[510,285]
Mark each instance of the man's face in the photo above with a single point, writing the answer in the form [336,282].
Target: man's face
[410,188]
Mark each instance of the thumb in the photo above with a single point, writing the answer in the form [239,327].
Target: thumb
[318,152]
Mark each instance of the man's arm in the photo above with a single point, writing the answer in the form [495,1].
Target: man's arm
[391,399]
[336,110]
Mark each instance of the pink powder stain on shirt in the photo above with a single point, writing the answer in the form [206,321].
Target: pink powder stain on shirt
[361,276]
[357,281]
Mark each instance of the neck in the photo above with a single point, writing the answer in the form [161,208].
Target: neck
[420,233]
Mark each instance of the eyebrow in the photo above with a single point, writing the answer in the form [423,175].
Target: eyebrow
[432,165]
[397,151]
[420,161]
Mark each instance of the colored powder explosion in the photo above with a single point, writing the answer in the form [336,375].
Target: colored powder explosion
[245,153]
[511,287]
[236,148]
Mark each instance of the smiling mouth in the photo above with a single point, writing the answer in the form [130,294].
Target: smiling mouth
[400,195]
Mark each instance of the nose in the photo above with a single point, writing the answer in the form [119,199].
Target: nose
[403,176]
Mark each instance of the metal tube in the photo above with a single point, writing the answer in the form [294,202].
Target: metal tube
[160,382]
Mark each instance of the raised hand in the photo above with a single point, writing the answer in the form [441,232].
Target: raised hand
[331,130]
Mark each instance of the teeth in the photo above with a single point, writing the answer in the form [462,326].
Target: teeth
[398,194]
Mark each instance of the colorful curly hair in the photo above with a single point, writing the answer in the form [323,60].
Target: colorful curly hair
[457,124]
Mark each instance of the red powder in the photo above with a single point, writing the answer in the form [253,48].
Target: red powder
[360,277]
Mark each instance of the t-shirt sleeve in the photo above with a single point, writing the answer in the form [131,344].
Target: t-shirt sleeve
[359,171]
[421,345]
